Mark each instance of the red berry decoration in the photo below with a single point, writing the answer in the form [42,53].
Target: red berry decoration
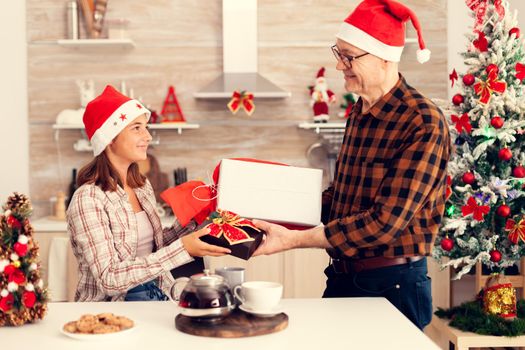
[468,178]
[497,122]
[503,210]
[458,99]
[468,79]
[518,171]
[516,31]
[495,256]
[447,244]
[492,67]
[505,154]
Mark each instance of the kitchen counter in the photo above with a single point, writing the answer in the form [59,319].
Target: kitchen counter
[48,224]
[344,323]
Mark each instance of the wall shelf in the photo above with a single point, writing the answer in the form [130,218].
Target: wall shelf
[80,145]
[323,127]
[96,43]
[165,126]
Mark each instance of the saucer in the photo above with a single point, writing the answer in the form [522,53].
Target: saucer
[262,313]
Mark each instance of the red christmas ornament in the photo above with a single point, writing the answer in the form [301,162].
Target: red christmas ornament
[28,299]
[17,276]
[458,99]
[505,154]
[516,31]
[468,79]
[492,67]
[447,244]
[518,171]
[495,256]
[468,178]
[9,269]
[6,303]
[13,222]
[503,210]
[496,122]
[20,249]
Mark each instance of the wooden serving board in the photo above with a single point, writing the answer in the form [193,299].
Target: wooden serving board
[237,325]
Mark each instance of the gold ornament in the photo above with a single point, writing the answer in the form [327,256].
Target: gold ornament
[16,264]
[499,297]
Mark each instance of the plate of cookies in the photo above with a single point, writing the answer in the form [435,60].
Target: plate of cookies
[100,326]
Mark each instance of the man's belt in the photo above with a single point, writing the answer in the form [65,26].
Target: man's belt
[358,265]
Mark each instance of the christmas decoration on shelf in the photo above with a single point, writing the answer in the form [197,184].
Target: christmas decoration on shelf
[347,105]
[23,298]
[485,205]
[171,111]
[471,317]
[241,99]
[499,297]
[321,97]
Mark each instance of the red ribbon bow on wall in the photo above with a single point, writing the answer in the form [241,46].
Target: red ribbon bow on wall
[242,99]
[485,88]
[480,8]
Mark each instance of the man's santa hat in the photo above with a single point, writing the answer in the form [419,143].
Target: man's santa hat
[107,115]
[378,27]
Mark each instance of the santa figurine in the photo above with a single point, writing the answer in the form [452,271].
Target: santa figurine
[321,97]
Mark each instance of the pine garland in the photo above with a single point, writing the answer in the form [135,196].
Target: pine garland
[470,317]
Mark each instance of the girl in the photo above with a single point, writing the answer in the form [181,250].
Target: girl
[123,252]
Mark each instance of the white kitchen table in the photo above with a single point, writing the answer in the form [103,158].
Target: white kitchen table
[346,323]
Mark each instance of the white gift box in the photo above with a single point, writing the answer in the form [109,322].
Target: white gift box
[277,193]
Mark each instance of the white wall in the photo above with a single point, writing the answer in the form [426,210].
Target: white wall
[459,22]
[14,130]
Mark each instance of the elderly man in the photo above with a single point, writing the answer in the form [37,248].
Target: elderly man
[383,211]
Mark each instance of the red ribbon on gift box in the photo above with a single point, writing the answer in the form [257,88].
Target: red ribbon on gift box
[241,99]
[230,225]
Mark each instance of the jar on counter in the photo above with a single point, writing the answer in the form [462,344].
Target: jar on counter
[117,28]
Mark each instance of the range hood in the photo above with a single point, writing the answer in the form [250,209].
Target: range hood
[239,38]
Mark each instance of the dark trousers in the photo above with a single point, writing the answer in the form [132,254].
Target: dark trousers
[406,286]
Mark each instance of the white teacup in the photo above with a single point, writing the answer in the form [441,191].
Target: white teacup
[259,295]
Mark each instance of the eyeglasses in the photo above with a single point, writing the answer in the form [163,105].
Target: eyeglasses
[346,59]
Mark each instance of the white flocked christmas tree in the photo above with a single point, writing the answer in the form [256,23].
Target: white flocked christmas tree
[485,209]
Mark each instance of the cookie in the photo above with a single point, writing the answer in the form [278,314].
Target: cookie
[70,327]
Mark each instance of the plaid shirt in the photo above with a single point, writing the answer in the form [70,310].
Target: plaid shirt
[103,232]
[388,195]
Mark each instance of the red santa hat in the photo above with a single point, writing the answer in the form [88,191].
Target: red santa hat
[378,27]
[320,73]
[107,115]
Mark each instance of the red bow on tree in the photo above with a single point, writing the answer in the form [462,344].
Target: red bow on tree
[485,88]
[453,77]
[516,230]
[472,207]
[462,123]
[520,71]
[481,43]
[480,8]
[241,99]
[230,224]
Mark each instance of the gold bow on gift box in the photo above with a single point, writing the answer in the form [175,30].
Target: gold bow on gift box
[241,99]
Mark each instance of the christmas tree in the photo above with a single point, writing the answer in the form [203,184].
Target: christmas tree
[485,209]
[23,297]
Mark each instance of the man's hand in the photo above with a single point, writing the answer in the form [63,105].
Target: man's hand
[277,239]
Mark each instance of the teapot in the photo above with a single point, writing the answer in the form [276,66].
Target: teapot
[204,297]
